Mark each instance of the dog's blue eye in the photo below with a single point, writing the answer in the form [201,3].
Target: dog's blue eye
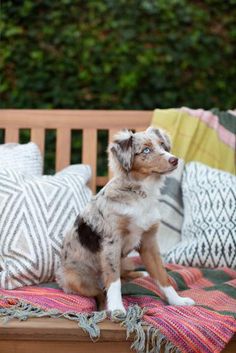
[146,150]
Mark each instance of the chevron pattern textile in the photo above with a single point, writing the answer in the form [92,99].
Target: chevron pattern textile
[35,213]
[209,227]
[24,158]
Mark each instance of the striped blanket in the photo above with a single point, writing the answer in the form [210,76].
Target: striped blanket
[207,136]
[204,328]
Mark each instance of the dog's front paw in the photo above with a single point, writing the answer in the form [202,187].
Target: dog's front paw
[119,308]
[173,297]
[181,301]
[114,298]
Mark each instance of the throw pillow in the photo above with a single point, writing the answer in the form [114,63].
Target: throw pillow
[35,213]
[171,210]
[25,158]
[209,227]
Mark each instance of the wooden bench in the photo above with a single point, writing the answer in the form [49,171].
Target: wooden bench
[45,334]
[64,122]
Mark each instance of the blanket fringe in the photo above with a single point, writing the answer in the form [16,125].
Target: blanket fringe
[146,338]
[89,322]
[23,311]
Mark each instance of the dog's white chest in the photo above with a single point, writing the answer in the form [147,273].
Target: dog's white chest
[145,213]
[142,217]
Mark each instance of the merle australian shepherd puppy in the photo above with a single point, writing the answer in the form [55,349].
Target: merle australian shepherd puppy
[122,217]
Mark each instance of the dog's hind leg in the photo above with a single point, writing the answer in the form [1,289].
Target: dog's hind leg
[80,281]
[151,258]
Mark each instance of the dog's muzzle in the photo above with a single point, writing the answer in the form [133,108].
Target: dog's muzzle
[173,161]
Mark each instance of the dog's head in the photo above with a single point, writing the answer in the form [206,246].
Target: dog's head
[144,153]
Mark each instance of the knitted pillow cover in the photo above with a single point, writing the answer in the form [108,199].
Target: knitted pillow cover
[35,213]
[209,227]
[25,158]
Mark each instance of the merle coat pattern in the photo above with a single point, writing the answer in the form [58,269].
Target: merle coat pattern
[122,217]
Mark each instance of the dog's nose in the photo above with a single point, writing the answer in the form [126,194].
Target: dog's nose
[173,161]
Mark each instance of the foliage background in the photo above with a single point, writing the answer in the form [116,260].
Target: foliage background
[118,54]
[135,54]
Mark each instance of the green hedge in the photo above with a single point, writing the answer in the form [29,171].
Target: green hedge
[131,54]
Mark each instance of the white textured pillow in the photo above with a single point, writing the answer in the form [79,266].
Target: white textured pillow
[25,158]
[209,227]
[35,213]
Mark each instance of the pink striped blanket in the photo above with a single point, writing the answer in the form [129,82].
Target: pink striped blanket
[204,328]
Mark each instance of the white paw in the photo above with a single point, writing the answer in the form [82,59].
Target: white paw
[144,273]
[181,301]
[114,298]
[112,307]
[173,297]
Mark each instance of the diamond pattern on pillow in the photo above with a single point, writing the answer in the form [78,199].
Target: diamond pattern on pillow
[35,213]
[209,227]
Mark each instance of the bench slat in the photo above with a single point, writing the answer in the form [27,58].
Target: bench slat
[101,180]
[38,137]
[74,119]
[63,148]
[89,121]
[89,153]
[11,135]
[141,128]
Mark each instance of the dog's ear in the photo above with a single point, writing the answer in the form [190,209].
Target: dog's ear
[162,135]
[122,149]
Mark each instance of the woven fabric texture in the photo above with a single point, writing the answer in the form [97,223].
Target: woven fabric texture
[203,328]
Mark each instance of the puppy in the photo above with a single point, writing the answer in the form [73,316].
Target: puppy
[122,217]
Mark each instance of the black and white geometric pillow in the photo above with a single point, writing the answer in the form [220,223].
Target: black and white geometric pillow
[209,227]
[35,213]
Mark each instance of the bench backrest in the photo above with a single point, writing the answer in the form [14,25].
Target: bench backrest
[64,122]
